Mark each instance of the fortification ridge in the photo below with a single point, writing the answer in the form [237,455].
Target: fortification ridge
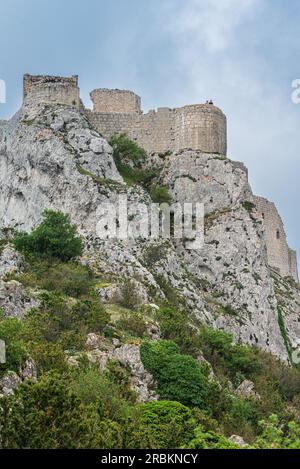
[200,127]
[197,127]
[280,256]
[39,90]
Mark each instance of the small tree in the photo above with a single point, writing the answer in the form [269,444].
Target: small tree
[54,238]
[126,149]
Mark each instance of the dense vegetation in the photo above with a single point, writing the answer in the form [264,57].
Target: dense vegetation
[129,159]
[196,368]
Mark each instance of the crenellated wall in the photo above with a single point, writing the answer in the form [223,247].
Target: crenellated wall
[280,256]
[198,127]
[39,90]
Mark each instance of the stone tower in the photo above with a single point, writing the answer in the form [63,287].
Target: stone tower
[280,255]
[198,127]
[39,90]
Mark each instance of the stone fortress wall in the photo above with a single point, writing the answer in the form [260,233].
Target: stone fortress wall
[280,255]
[39,90]
[198,127]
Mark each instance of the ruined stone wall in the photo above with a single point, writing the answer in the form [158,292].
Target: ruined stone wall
[198,127]
[293,264]
[39,90]
[108,124]
[280,256]
[117,101]
[153,131]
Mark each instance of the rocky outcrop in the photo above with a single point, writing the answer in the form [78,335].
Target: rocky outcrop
[58,161]
[15,300]
[142,382]
[10,261]
[238,440]
[11,380]
[247,390]
[9,383]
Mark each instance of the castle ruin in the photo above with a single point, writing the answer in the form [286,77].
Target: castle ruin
[280,255]
[200,127]
[39,90]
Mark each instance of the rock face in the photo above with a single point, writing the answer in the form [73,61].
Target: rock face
[47,163]
[142,382]
[9,383]
[12,380]
[10,261]
[15,300]
[58,161]
[246,389]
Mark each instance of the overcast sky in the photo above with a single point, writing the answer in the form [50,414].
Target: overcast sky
[244,54]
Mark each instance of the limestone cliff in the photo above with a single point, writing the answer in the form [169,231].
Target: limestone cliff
[57,160]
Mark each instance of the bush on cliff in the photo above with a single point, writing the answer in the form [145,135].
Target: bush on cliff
[126,149]
[54,238]
[179,377]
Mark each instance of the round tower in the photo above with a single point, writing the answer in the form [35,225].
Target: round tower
[43,89]
[201,127]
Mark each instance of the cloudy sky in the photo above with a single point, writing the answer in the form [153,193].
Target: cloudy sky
[244,54]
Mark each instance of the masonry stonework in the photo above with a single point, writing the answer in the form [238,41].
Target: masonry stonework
[200,127]
[39,90]
[280,256]
[117,101]
[197,127]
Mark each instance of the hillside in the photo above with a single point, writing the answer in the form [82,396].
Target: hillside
[135,343]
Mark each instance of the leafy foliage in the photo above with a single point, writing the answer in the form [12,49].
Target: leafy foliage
[161,424]
[54,238]
[179,377]
[16,350]
[219,349]
[160,195]
[47,415]
[129,158]
[124,148]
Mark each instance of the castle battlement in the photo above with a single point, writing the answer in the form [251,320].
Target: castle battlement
[280,255]
[39,90]
[115,101]
[197,127]
[200,127]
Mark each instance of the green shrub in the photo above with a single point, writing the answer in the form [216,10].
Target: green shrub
[54,238]
[209,440]
[161,425]
[276,436]
[97,317]
[16,350]
[220,350]
[47,414]
[175,326]
[129,297]
[69,278]
[160,195]
[179,377]
[60,325]
[124,148]
[132,323]
[249,206]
